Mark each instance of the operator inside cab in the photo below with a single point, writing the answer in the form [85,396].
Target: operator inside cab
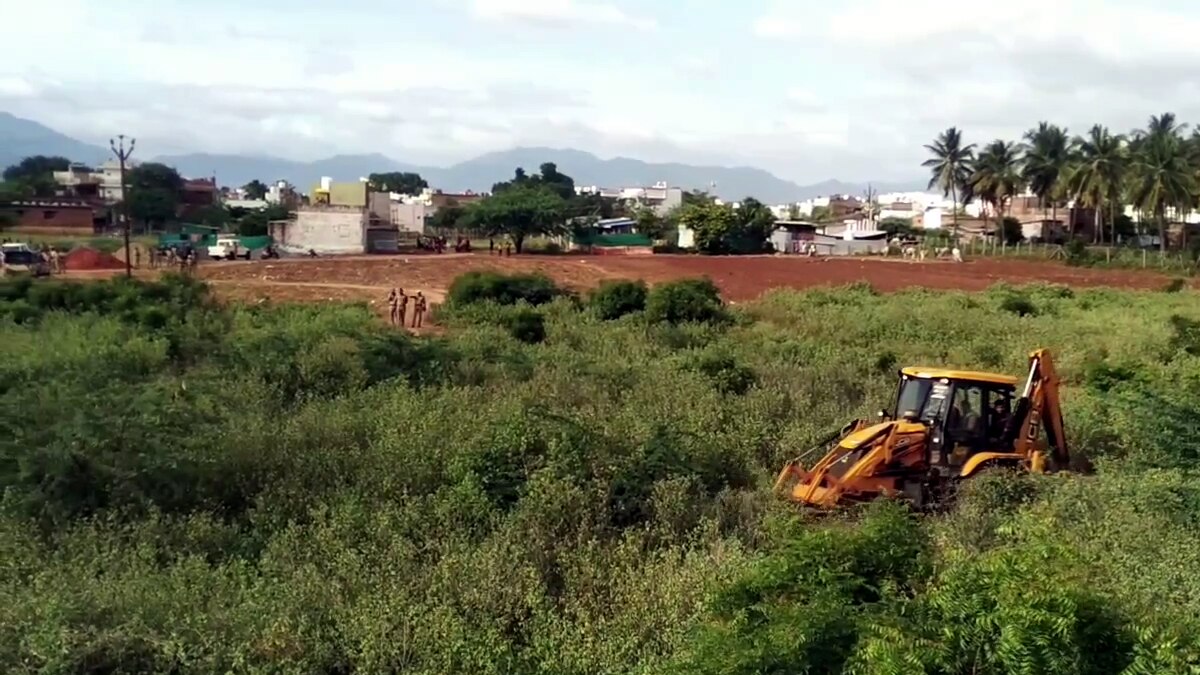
[1001,414]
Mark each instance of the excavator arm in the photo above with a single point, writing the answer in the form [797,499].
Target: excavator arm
[1040,408]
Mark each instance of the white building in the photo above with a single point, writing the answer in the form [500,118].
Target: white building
[324,229]
[660,197]
[106,181]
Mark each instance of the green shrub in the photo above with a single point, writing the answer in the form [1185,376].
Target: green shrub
[1185,335]
[615,299]
[1077,253]
[475,287]
[684,301]
[526,325]
[726,374]
[1018,304]
[190,486]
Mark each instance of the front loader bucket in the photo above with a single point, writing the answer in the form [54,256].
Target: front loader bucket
[805,487]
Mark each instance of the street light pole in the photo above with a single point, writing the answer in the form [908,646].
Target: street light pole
[123,154]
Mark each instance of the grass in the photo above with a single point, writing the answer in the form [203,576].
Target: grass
[300,489]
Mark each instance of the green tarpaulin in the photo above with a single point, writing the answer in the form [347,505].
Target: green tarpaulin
[252,243]
[616,240]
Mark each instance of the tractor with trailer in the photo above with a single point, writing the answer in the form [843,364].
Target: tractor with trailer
[945,426]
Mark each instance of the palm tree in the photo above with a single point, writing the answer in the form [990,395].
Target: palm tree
[1046,157]
[1098,173]
[1162,176]
[996,175]
[950,167]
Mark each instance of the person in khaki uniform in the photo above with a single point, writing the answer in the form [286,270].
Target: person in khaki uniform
[393,301]
[402,306]
[418,310]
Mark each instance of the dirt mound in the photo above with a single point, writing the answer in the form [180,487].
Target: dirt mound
[85,258]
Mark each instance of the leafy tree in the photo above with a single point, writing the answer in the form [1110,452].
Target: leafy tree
[615,299]
[256,223]
[754,223]
[255,189]
[560,184]
[1047,156]
[822,214]
[36,174]
[596,206]
[518,213]
[686,301]
[1010,230]
[14,190]
[996,174]
[1161,176]
[651,224]
[950,167]
[712,223]
[519,178]
[400,182]
[720,228]
[215,216]
[447,217]
[1098,173]
[154,193]
[896,227]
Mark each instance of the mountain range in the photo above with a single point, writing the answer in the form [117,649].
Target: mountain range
[21,137]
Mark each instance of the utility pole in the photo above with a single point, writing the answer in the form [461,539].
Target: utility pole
[123,154]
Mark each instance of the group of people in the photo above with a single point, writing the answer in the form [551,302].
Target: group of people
[398,303]
[505,248]
[168,257]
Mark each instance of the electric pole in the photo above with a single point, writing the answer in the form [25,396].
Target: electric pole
[123,154]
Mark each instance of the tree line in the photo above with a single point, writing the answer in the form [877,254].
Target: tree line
[527,205]
[1156,169]
[154,192]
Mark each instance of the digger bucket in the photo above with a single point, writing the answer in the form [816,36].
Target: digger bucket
[791,474]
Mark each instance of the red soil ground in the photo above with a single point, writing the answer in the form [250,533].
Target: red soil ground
[89,259]
[740,279]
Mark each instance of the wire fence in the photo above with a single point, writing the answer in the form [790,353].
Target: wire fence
[1123,257]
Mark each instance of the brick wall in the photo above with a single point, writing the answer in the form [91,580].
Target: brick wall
[51,216]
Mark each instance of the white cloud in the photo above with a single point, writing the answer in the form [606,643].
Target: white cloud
[560,13]
[17,87]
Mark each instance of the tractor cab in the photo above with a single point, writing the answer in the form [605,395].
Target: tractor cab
[966,412]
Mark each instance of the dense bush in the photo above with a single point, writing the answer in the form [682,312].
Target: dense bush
[303,489]
[615,299]
[526,325]
[472,287]
[688,300]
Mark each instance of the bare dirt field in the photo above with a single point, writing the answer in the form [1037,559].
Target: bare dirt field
[740,279]
[369,278]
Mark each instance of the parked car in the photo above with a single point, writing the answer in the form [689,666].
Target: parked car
[22,259]
[228,248]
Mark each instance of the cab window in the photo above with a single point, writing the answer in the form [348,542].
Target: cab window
[999,412]
[966,416]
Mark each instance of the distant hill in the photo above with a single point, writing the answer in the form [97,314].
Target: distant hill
[20,138]
[481,173]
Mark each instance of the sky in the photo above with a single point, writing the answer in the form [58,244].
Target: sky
[808,90]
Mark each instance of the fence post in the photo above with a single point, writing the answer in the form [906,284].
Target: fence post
[1143,258]
[1108,255]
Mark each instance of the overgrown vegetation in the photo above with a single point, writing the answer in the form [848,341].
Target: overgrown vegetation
[189,487]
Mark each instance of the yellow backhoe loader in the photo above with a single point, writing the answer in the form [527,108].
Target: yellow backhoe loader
[945,426]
